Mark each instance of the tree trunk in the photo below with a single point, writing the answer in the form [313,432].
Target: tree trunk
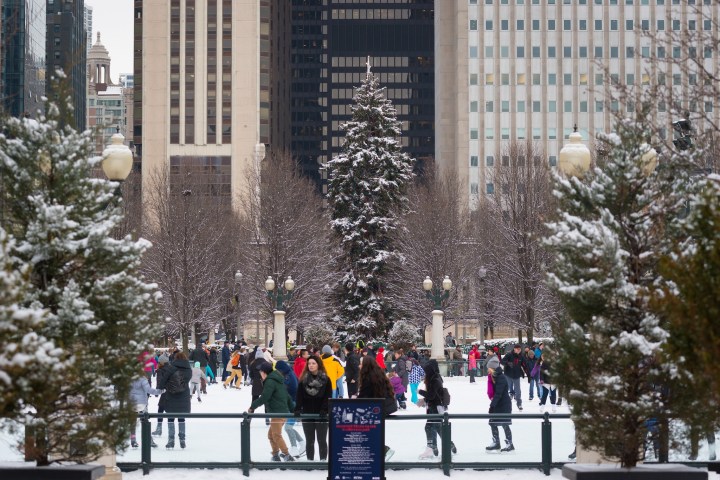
[520,336]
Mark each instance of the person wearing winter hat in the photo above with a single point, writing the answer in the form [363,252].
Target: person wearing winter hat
[333,368]
[297,443]
[380,358]
[255,379]
[276,399]
[163,361]
[198,376]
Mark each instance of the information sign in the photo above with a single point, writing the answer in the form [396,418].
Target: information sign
[357,439]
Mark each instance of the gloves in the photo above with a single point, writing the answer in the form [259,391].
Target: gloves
[491,410]
[422,392]
[250,410]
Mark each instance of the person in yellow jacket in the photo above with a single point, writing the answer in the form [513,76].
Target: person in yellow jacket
[333,367]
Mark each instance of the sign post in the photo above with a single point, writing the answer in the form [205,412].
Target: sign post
[357,439]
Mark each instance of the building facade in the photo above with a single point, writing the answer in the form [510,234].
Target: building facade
[211,113]
[66,49]
[88,26]
[530,70]
[23,57]
[109,105]
[331,43]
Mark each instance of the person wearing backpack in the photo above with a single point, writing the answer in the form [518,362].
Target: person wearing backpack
[434,403]
[176,383]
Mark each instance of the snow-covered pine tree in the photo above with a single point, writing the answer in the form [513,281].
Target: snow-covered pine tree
[403,334]
[611,233]
[366,194]
[692,303]
[99,313]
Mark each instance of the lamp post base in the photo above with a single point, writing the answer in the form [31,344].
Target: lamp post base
[279,349]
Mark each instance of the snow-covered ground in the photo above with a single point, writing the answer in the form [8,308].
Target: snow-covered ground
[219,440]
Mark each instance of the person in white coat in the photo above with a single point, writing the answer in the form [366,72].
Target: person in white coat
[139,391]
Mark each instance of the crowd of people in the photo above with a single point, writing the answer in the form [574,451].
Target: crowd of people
[304,384]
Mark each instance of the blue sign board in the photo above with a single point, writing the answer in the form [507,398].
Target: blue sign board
[357,439]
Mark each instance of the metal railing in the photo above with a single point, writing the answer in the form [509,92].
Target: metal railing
[446,462]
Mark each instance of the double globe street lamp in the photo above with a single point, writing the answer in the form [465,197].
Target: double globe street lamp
[277,297]
[437,295]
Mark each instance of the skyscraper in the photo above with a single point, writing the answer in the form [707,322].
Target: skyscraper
[66,49]
[331,43]
[23,56]
[88,25]
[208,106]
[530,71]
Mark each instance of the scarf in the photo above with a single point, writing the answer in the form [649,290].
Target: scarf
[314,384]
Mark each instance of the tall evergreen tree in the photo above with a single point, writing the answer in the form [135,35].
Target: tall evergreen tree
[98,313]
[613,228]
[366,194]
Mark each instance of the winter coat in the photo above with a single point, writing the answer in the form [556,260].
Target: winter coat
[416,374]
[352,367]
[176,402]
[472,358]
[291,381]
[139,391]
[197,374]
[299,366]
[401,369]
[148,361]
[257,383]
[500,402]
[305,402]
[213,359]
[243,363]
[274,395]
[397,384]
[380,358]
[513,365]
[546,375]
[529,364]
[199,355]
[333,368]
[434,384]
[225,355]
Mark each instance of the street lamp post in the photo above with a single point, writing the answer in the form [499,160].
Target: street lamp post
[117,161]
[437,296]
[238,280]
[482,273]
[278,296]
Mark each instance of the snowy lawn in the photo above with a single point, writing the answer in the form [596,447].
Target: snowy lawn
[219,440]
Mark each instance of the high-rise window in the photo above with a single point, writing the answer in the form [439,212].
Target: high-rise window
[189,71]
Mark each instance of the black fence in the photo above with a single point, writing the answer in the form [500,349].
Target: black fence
[446,463]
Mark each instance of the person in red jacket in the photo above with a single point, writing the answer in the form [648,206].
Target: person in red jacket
[300,361]
[380,358]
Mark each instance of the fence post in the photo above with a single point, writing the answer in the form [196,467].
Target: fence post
[245,445]
[446,438]
[546,433]
[146,440]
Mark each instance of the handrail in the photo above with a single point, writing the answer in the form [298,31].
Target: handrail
[446,463]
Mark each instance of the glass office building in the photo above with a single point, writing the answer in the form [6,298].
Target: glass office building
[331,42]
[23,56]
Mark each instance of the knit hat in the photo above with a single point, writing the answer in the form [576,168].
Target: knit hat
[493,362]
[259,354]
[380,350]
[327,349]
[265,367]
[197,364]
[163,359]
[282,367]
[349,347]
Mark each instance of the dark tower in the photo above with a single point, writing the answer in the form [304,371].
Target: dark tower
[66,47]
[330,45]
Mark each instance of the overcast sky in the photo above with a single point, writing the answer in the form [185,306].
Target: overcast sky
[114,20]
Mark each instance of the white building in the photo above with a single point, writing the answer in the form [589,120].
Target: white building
[89,25]
[531,69]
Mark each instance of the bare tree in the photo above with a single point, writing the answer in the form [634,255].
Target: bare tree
[190,256]
[435,241]
[513,219]
[283,232]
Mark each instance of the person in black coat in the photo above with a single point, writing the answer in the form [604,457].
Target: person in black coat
[176,402]
[213,362]
[225,359]
[314,391]
[244,365]
[433,403]
[257,383]
[500,403]
[352,369]
[200,355]
[514,366]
